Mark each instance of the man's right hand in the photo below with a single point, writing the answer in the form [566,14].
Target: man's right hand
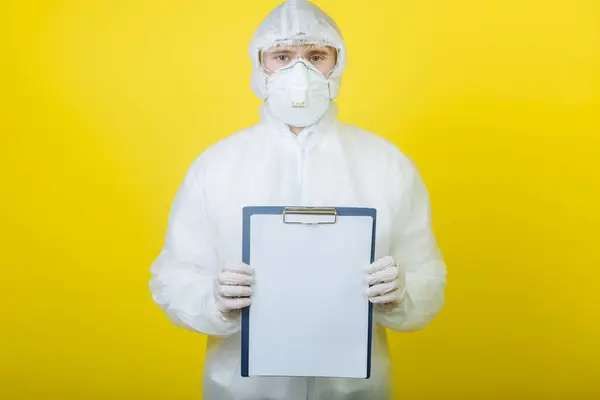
[233,288]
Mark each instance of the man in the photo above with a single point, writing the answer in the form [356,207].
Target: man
[299,154]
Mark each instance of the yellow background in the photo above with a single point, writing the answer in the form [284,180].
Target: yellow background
[104,104]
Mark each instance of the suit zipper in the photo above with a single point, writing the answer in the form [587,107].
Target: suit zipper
[301,175]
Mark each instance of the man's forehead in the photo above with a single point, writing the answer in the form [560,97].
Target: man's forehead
[300,49]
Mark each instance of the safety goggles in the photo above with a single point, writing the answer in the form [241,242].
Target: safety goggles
[322,58]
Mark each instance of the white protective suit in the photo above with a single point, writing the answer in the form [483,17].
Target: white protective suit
[328,163]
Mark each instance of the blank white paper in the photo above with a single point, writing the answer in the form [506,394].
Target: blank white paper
[309,312]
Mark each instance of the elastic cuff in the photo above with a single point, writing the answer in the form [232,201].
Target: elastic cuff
[224,322]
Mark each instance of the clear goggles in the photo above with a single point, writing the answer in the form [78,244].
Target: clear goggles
[323,58]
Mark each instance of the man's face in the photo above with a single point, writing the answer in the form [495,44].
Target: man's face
[323,58]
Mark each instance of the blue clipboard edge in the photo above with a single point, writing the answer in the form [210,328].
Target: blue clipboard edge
[248,212]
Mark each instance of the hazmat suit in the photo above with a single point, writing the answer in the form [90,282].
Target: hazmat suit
[327,163]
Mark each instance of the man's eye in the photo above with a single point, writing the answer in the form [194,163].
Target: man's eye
[317,58]
[281,57]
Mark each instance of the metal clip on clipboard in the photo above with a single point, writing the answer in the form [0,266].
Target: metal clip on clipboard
[309,215]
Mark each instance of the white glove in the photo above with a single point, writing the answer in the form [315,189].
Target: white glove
[386,284]
[232,288]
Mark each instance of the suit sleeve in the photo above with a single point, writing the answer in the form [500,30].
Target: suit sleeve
[183,274]
[414,249]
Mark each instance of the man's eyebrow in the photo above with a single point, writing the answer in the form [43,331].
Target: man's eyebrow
[319,51]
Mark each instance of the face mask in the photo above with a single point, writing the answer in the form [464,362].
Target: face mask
[298,94]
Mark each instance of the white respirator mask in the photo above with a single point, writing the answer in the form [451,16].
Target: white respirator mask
[298,94]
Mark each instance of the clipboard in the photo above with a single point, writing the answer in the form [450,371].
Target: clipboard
[310,316]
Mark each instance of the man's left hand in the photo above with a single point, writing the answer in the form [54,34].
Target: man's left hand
[386,284]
